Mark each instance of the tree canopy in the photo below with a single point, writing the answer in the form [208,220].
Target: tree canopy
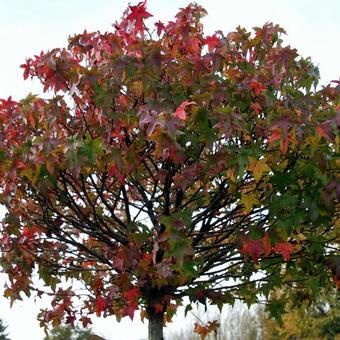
[69,333]
[321,320]
[3,333]
[164,163]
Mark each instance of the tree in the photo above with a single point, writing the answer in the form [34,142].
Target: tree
[167,164]
[3,334]
[68,333]
[320,320]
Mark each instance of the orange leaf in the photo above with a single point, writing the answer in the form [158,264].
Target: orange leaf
[285,249]
[257,87]
[276,134]
[266,245]
[284,145]
[204,329]
[336,280]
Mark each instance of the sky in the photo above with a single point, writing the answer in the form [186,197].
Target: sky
[30,26]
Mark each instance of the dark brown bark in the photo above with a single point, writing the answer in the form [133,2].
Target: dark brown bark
[156,326]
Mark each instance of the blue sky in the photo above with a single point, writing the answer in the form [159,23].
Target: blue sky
[29,26]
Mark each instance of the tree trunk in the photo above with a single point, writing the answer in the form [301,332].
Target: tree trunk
[156,326]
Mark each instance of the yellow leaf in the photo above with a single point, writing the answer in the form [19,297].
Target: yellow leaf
[249,200]
[138,87]
[231,175]
[313,142]
[283,165]
[258,167]
[337,163]
[8,293]
[27,172]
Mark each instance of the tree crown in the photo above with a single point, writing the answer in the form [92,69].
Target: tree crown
[166,164]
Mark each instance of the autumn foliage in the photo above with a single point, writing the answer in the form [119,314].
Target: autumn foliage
[169,164]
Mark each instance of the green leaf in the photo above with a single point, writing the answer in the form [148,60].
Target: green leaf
[276,308]
[188,308]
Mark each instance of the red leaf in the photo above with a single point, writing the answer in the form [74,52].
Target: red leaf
[7,104]
[70,319]
[160,27]
[285,249]
[132,294]
[26,68]
[130,310]
[256,107]
[257,87]
[18,164]
[200,295]
[138,13]
[114,171]
[118,261]
[100,305]
[97,284]
[276,134]
[85,321]
[195,45]
[324,131]
[180,111]
[28,232]
[212,42]
[254,248]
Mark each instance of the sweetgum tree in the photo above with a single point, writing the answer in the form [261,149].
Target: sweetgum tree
[169,164]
